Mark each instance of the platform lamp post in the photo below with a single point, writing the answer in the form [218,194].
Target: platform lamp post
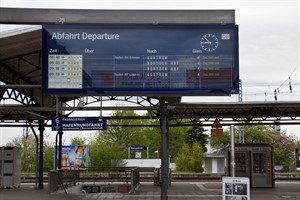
[232,151]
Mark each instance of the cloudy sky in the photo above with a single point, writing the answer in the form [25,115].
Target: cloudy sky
[269,39]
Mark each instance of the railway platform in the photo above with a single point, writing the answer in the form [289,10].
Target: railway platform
[147,191]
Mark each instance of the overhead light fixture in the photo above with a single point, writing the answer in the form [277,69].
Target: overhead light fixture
[80,105]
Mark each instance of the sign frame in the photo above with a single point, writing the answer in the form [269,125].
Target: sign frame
[74,157]
[211,89]
[297,156]
[78,123]
[235,188]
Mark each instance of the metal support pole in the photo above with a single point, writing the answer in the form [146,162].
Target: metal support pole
[55,152]
[128,151]
[147,152]
[164,149]
[41,160]
[60,133]
[232,149]
[36,155]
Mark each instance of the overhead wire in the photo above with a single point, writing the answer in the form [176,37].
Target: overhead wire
[285,87]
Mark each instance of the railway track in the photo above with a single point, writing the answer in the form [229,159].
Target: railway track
[148,177]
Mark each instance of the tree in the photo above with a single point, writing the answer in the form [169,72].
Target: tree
[284,149]
[197,158]
[77,141]
[124,135]
[183,158]
[28,152]
[48,156]
[190,159]
[176,140]
[196,134]
[283,145]
[252,134]
[102,154]
[27,142]
[112,144]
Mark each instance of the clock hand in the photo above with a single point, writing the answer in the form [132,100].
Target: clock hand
[207,41]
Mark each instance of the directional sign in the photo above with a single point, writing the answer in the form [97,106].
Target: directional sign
[78,123]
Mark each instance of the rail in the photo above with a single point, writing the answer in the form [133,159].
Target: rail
[148,177]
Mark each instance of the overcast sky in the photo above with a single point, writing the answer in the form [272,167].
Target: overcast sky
[269,39]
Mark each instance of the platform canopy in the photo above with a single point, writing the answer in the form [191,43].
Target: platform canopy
[21,72]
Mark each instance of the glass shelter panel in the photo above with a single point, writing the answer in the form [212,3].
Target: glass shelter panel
[261,169]
[242,164]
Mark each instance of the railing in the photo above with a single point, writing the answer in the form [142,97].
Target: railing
[135,180]
[106,174]
[62,179]
[127,175]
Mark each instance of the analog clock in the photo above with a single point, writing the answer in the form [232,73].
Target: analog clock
[209,42]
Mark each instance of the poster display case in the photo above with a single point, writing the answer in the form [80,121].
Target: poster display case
[254,161]
[297,158]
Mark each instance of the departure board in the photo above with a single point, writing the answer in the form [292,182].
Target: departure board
[159,60]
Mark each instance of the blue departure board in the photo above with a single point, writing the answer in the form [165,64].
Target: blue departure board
[158,60]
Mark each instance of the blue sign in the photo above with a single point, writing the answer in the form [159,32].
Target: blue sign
[141,59]
[138,148]
[78,123]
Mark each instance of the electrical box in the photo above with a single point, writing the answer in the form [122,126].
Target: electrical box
[10,167]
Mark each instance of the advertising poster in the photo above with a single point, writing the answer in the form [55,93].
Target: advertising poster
[74,157]
[298,159]
[236,188]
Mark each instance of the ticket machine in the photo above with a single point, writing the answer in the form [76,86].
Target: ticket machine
[254,161]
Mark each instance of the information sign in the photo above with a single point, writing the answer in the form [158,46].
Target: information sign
[78,123]
[236,188]
[141,59]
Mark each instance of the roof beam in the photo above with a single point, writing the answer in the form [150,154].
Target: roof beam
[79,16]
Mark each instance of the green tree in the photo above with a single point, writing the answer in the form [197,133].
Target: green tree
[183,158]
[298,144]
[196,134]
[105,154]
[284,149]
[258,134]
[190,159]
[123,134]
[197,158]
[28,152]
[153,139]
[48,156]
[252,134]
[110,146]
[220,145]
[27,142]
[176,140]
[77,140]
[283,145]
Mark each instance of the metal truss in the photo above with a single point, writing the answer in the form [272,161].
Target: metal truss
[17,96]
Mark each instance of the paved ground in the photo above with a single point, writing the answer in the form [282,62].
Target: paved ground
[189,191]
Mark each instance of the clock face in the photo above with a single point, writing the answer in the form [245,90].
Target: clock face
[209,42]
